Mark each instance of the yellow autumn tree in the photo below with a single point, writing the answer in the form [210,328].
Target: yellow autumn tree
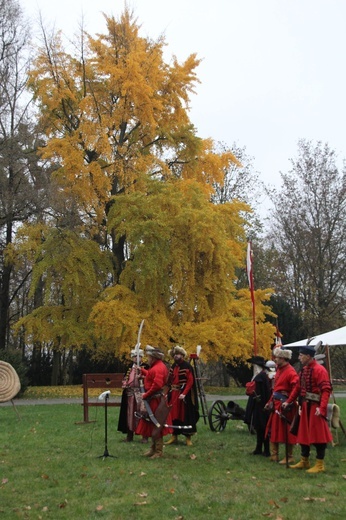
[127,157]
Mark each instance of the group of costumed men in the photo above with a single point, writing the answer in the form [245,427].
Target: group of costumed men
[288,409]
[158,399]
[292,410]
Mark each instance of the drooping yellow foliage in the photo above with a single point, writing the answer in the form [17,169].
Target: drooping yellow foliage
[140,180]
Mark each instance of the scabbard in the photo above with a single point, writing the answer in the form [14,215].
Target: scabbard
[151,415]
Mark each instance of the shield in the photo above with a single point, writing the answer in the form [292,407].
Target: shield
[9,382]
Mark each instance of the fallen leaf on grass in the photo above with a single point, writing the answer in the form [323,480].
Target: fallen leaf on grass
[44,476]
[142,474]
[4,481]
[172,491]
[140,503]
[284,499]
[174,508]
[45,509]
[193,457]
[314,499]
[269,515]
[273,503]
[344,476]
[99,508]
[143,495]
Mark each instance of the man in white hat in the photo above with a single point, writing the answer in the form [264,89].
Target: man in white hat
[285,382]
[182,396]
[129,401]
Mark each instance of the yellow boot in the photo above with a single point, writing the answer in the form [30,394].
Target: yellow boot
[318,467]
[274,451]
[158,449]
[302,464]
[172,440]
[289,455]
[188,440]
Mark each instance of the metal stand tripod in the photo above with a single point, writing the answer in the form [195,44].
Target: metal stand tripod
[106,453]
[199,385]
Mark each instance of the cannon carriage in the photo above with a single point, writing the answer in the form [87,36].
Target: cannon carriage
[219,413]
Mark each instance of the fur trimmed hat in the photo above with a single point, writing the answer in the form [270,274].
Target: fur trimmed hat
[177,350]
[154,352]
[282,353]
[134,352]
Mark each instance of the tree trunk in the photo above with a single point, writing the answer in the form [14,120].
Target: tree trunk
[56,368]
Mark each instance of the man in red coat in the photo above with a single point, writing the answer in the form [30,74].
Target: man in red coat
[182,396]
[314,390]
[285,382]
[155,379]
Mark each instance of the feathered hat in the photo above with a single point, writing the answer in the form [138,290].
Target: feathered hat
[134,352]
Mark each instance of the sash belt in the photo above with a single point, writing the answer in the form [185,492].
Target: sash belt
[280,396]
[309,396]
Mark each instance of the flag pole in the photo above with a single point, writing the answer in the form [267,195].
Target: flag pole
[249,257]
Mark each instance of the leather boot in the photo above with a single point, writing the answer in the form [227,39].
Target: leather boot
[318,467]
[302,464]
[158,449]
[188,440]
[266,451]
[172,440]
[274,451]
[129,437]
[289,454]
[151,452]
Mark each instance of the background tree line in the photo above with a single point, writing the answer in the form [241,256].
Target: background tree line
[112,210]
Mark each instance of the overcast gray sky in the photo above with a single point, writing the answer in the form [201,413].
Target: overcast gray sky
[272,71]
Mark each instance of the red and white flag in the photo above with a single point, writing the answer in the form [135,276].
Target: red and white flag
[251,285]
[249,268]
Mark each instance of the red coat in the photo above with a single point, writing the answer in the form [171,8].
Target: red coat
[313,429]
[184,412]
[285,382]
[155,379]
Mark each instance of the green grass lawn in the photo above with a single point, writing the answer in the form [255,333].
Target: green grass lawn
[50,468]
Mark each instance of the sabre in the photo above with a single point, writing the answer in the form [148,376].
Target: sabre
[176,427]
[284,418]
[139,342]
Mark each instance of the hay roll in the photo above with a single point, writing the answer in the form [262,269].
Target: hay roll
[9,382]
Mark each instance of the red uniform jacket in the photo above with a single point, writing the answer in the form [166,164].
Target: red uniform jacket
[155,379]
[313,429]
[285,382]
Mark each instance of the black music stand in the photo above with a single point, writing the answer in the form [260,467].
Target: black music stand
[106,453]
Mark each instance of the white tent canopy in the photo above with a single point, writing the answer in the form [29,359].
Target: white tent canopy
[332,338]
